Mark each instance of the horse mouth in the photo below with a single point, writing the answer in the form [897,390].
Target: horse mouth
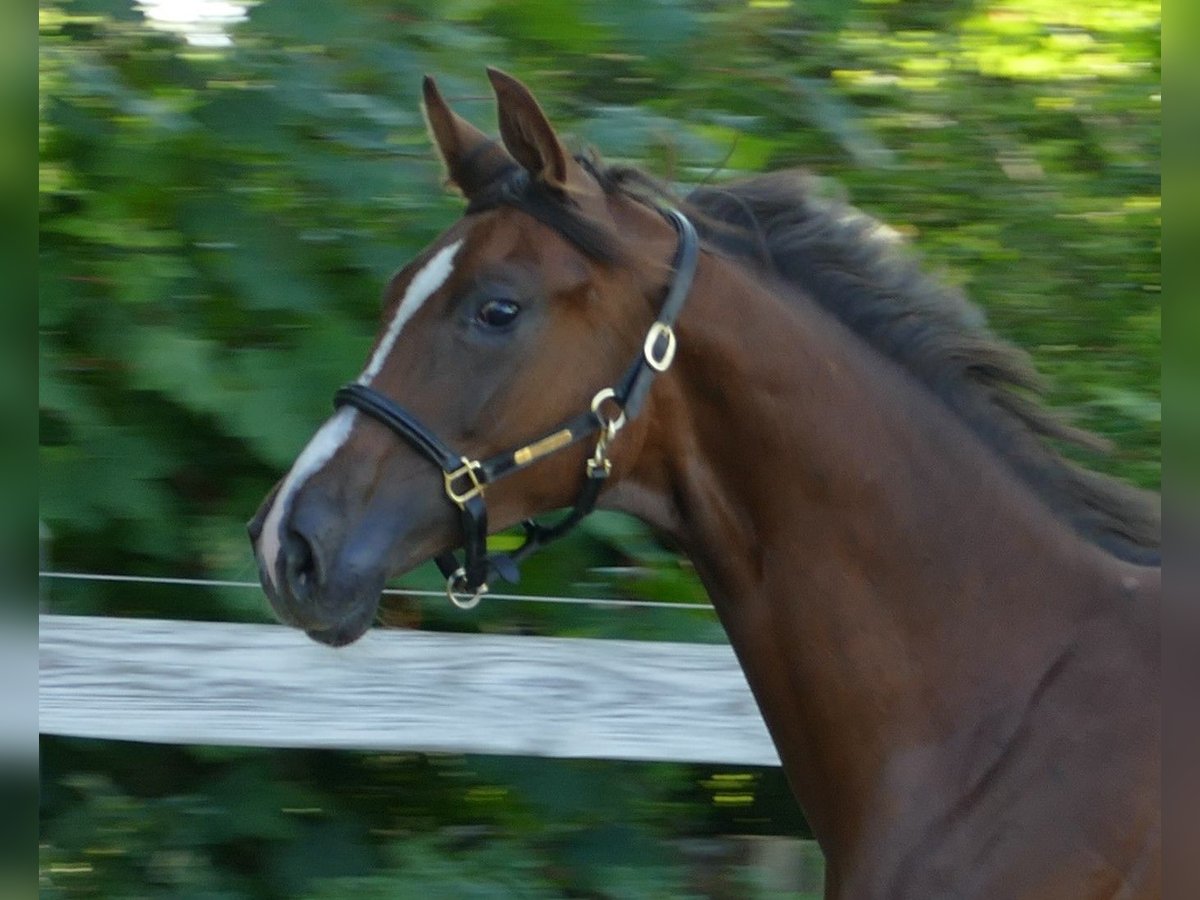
[339,636]
[332,624]
[344,631]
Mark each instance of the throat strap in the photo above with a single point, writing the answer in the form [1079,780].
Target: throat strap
[658,349]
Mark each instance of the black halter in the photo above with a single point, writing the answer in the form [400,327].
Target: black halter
[465,478]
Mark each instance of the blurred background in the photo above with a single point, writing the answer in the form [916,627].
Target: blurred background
[224,189]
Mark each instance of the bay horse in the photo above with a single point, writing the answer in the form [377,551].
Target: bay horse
[951,630]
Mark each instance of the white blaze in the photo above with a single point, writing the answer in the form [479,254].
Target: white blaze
[431,277]
[320,449]
[336,430]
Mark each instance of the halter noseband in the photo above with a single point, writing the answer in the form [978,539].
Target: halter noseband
[465,478]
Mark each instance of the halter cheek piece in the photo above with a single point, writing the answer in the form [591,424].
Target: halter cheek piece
[465,478]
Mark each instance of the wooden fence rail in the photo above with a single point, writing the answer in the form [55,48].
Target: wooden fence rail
[269,686]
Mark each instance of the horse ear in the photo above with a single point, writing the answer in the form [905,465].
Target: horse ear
[473,160]
[527,133]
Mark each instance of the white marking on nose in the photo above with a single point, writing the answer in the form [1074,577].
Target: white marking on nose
[431,277]
[336,430]
[319,451]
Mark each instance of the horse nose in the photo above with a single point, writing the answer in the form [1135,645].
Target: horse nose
[301,565]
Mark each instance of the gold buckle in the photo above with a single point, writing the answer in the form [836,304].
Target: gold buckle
[466,470]
[663,362]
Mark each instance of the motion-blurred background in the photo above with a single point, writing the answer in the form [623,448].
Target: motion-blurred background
[224,189]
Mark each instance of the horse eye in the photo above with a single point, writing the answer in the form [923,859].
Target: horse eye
[498,313]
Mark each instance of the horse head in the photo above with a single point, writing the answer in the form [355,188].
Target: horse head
[502,358]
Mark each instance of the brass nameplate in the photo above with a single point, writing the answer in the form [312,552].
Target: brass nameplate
[526,455]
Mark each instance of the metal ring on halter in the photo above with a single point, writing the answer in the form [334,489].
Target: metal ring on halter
[611,426]
[659,360]
[459,598]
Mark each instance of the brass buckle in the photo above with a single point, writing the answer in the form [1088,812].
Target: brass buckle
[460,598]
[466,470]
[659,363]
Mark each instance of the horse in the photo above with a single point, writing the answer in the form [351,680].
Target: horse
[951,629]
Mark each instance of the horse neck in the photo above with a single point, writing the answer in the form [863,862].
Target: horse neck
[884,580]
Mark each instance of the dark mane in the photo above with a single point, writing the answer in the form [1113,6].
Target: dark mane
[853,266]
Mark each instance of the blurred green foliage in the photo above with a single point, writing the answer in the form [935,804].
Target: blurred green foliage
[216,227]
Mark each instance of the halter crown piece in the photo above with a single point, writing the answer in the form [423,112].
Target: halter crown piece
[465,478]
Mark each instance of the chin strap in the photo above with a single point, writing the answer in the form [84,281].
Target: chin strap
[465,478]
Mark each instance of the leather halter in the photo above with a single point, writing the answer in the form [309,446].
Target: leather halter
[465,478]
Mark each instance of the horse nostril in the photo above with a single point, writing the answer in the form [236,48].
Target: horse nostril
[300,565]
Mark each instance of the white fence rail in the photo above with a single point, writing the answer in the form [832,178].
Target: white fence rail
[269,686]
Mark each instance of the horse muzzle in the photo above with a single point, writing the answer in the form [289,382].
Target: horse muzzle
[326,583]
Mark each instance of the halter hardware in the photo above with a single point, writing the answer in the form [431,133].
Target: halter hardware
[610,426]
[467,470]
[465,479]
[463,599]
[544,447]
[659,360]
[600,466]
